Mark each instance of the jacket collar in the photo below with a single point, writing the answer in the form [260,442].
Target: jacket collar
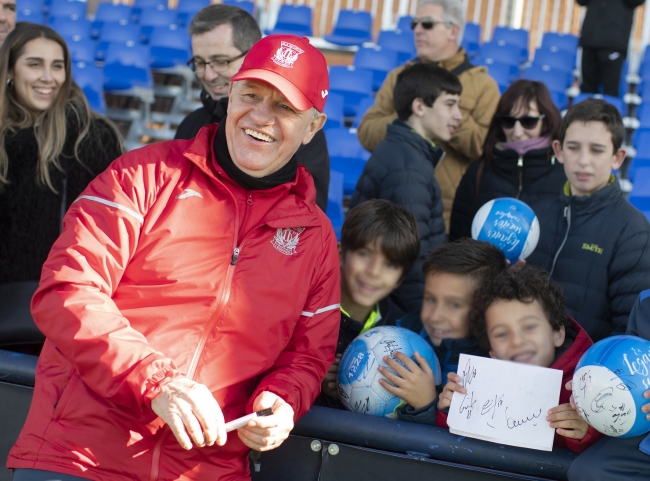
[576,343]
[536,163]
[402,132]
[451,62]
[595,202]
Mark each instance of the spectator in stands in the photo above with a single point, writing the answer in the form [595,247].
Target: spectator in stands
[453,272]
[221,36]
[402,167]
[613,459]
[7,18]
[379,244]
[604,39]
[517,159]
[195,281]
[438,28]
[592,241]
[51,146]
[520,317]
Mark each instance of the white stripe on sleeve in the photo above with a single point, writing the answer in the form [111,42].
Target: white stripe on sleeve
[320,311]
[112,204]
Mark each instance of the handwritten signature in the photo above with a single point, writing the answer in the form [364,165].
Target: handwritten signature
[515,423]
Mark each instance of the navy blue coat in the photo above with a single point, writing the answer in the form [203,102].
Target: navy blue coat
[598,248]
[401,170]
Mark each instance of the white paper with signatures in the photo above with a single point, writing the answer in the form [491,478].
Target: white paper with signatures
[506,402]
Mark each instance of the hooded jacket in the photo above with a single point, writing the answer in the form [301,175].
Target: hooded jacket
[167,268]
[598,248]
[401,170]
[607,23]
[314,155]
[478,102]
[531,177]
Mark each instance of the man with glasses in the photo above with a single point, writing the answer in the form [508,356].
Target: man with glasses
[438,27]
[7,18]
[222,35]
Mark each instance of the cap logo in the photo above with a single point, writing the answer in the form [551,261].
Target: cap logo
[286,55]
[324,93]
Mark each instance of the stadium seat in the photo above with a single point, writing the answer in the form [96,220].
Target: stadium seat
[110,12]
[116,32]
[335,202]
[334,111]
[78,29]
[472,39]
[354,84]
[641,142]
[401,42]
[81,49]
[155,17]
[500,53]
[346,156]
[500,72]
[562,41]
[170,46]
[186,10]
[243,4]
[91,80]
[28,15]
[404,23]
[31,6]
[512,36]
[379,60]
[352,28]
[638,165]
[364,106]
[294,20]
[127,66]
[558,60]
[556,82]
[615,101]
[644,116]
[640,195]
[139,5]
[67,8]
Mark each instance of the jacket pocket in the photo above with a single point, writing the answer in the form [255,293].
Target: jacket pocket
[65,395]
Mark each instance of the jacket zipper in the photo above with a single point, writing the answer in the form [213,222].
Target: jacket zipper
[520,165]
[567,216]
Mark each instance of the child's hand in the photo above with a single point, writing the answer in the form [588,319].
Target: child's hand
[516,266]
[567,422]
[646,407]
[329,383]
[452,386]
[414,383]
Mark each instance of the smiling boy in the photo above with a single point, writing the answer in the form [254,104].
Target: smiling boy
[592,241]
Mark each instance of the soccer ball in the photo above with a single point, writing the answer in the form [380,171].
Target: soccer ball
[510,225]
[358,377]
[608,386]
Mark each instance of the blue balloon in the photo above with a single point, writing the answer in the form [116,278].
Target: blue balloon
[608,386]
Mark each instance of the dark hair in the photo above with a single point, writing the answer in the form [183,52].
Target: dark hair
[472,258]
[422,81]
[527,285]
[522,92]
[595,110]
[245,31]
[381,219]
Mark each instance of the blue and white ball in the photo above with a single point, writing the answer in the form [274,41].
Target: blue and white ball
[608,386]
[510,225]
[358,378]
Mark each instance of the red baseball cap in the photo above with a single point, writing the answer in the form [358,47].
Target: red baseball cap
[293,66]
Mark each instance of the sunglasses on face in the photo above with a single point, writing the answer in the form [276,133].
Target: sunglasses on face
[427,23]
[527,122]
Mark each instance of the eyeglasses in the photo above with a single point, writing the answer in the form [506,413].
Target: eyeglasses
[217,65]
[527,122]
[427,23]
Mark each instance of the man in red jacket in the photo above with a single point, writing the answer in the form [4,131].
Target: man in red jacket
[194,281]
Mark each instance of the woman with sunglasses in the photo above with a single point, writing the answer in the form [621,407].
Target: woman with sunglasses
[517,158]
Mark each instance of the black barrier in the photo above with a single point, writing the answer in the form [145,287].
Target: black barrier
[17,368]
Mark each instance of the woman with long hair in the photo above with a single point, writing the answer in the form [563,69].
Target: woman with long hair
[51,146]
[517,159]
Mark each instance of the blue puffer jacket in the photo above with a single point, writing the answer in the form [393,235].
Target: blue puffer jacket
[401,170]
[598,248]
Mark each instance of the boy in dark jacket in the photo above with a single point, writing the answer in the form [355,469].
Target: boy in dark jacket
[592,241]
[402,166]
[379,244]
[520,317]
[453,272]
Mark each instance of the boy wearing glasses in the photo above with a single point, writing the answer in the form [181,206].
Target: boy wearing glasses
[437,30]
[592,241]
[221,36]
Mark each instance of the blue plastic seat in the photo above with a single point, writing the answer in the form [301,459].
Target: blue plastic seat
[352,28]
[139,5]
[67,8]
[501,53]
[364,106]
[641,142]
[294,20]
[110,12]
[157,16]
[472,39]
[643,115]
[116,32]
[243,4]
[186,10]
[615,101]
[169,46]
[335,202]
[561,41]
[354,84]
[640,166]
[556,82]
[334,111]
[557,60]
[514,37]
[401,42]
[81,49]
[640,195]
[127,66]
[68,28]
[404,23]
[379,60]
[500,72]
[33,6]
[28,15]
[346,156]
[90,79]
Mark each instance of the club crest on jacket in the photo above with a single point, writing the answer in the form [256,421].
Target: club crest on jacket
[286,240]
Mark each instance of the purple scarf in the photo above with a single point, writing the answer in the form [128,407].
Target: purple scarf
[524,146]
